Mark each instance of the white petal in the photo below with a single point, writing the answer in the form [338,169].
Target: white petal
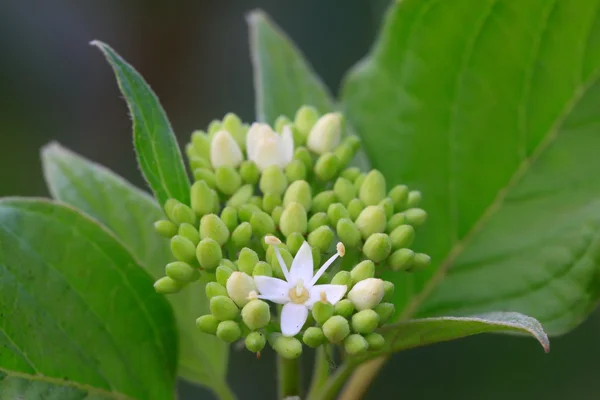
[293,316]
[224,151]
[323,268]
[252,139]
[302,266]
[333,293]
[287,146]
[273,289]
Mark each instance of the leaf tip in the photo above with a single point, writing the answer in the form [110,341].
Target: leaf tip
[256,16]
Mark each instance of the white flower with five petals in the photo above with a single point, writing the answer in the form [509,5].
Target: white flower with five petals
[298,292]
[265,147]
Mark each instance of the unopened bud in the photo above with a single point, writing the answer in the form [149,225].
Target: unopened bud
[212,227]
[257,201]
[344,190]
[399,195]
[365,321]
[206,175]
[255,341]
[239,287]
[313,337]
[322,311]
[394,222]
[223,308]
[295,171]
[190,232]
[351,173]
[201,198]
[372,190]
[325,135]
[242,235]
[298,192]
[335,212]
[415,216]
[401,259]
[178,212]
[402,236]
[223,273]
[377,247]
[262,269]
[182,272]
[247,260]
[388,287]
[207,324]
[233,124]
[321,238]
[224,151]
[344,308]
[375,341]
[367,293]
[336,329]
[249,172]
[355,344]
[280,123]
[323,200]
[229,216]
[165,228]
[183,249]
[327,167]
[270,201]
[355,207]
[294,242]
[228,180]
[276,214]
[370,221]
[302,154]
[348,233]
[256,314]
[342,278]
[229,331]
[388,207]
[273,180]
[262,223]
[241,196]
[385,312]
[209,253]
[317,220]
[199,162]
[420,261]
[201,144]
[305,120]
[363,270]
[293,219]
[246,211]
[167,285]
[287,347]
[359,181]
[213,289]
[414,199]
[214,127]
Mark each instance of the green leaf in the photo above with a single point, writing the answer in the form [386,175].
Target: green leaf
[492,114]
[422,332]
[157,151]
[77,309]
[130,213]
[283,79]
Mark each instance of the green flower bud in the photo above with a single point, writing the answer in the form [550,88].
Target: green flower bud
[209,253]
[388,207]
[321,312]
[206,175]
[348,233]
[316,255]
[335,212]
[327,167]
[213,289]
[199,162]
[294,242]
[246,211]
[207,324]
[317,220]
[182,272]
[223,273]
[293,219]
[179,213]
[313,337]
[344,153]
[273,180]
[415,216]
[190,232]
[370,221]
[353,142]
[233,124]
[247,260]
[298,192]
[255,341]
[302,154]
[229,216]
[167,285]
[388,287]
[228,180]
[359,181]
[375,341]
[355,207]
[399,195]
[201,144]
[323,200]
[262,269]
[214,127]
[344,190]
[287,347]
[270,201]
[336,329]
[355,344]
[395,221]
[342,278]
[239,287]
[276,214]
[223,308]
[215,201]
[385,312]
[420,261]
[190,151]
[241,196]
[363,270]
[401,259]
[295,171]
[344,308]
[367,293]
[377,247]
[280,123]
[365,321]
[242,235]
[256,314]
[321,238]
[229,331]
[262,223]
[372,190]
[165,228]
[212,227]
[325,135]
[306,118]
[183,249]
[414,199]
[272,258]
[202,199]
[351,174]
[402,236]
[249,172]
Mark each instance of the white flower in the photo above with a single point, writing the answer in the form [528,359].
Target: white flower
[266,148]
[298,292]
[326,134]
[224,151]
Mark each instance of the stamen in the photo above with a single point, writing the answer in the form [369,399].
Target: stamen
[284,269]
[324,297]
[299,287]
[272,240]
[252,295]
[322,270]
[341,250]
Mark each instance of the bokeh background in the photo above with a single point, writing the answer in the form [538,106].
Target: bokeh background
[194,53]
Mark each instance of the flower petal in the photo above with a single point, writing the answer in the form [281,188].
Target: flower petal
[334,293]
[287,146]
[273,289]
[302,266]
[293,316]
[252,140]
[224,151]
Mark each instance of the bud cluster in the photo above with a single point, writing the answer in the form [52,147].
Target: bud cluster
[259,194]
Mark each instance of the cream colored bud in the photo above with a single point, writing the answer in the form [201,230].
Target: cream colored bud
[326,133]
[239,288]
[367,293]
[224,151]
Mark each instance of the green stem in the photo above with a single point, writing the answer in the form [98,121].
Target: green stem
[289,377]
[320,371]
[335,383]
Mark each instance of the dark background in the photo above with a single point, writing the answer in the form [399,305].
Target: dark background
[54,86]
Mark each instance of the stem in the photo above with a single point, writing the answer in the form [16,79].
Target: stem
[289,377]
[334,384]
[321,370]
[361,379]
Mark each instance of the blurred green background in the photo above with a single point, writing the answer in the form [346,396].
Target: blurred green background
[54,86]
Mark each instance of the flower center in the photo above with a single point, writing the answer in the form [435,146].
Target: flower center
[299,294]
